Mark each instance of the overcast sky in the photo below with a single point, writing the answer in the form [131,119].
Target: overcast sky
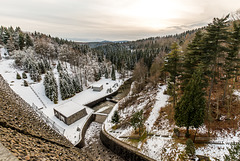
[112,19]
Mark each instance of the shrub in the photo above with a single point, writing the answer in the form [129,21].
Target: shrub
[24,75]
[18,76]
[25,83]
[190,149]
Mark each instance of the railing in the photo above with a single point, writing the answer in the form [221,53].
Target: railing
[48,121]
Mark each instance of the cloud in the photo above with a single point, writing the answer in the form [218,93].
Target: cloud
[112,20]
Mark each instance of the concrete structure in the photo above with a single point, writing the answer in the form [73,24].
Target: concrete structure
[97,87]
[70,112]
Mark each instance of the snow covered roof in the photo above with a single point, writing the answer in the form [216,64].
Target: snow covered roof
[69,108]
[97,85]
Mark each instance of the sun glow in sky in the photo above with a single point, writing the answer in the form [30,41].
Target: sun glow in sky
[89,20]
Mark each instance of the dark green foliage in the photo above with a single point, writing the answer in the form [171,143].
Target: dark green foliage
[106,73]
[77,85]
[24,75]
[59,67]
[29,41]
[113,75]
[18,76]
[234,153]
[115,117]
[51,88]
[191,106]
[67,88]
[192,58]
[172,66]
[97,76]
[190,149]
[25,83]
[21,41]
[137,121]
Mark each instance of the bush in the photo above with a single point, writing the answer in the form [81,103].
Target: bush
[25,83]
[18,76]
[190,149]
[234,152]
[24,75]
[115,117]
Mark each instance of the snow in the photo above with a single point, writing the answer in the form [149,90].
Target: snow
[36,95]
[161,101]
[69,108]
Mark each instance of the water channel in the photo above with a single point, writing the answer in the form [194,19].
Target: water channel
[93,145]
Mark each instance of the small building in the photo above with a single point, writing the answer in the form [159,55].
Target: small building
[97,87]
[70,112]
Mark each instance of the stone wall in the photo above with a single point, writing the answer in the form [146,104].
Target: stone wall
[26,135]
[122,149]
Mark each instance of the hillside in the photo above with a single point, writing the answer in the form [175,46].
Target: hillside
[25,134]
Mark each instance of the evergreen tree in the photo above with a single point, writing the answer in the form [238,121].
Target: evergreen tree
[106,73]
[192,58]
[24,75]
[115,117]
[18,76]
[231,65]
[113,75]
[77,84]
[137,121]
[29,41]
[51,88]
[21,40]
[172,66]
[214,49]
[190,108]
[67,88]
[190,149]
[25,83]
[234,153]
[59,67]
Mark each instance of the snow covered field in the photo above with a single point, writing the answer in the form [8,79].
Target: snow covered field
[36,95]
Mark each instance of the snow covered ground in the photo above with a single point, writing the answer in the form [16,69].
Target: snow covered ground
[37,93]
[161,147]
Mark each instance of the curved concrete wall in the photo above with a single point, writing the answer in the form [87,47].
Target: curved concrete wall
[125,151]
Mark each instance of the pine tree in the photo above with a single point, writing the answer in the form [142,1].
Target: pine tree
[231,65]
[106,73]
[24,75]
[25,83]
[190,149]
[192,58]
[21,40]
[214,49]
[115,117]
[137,121]
[51,88]
[190,108]
[113,75]
[29,41]
[172,66]
[18,76]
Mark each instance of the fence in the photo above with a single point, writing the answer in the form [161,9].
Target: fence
[48,121]
[28,108]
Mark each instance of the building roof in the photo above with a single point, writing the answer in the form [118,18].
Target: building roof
[69,108]
[97,85]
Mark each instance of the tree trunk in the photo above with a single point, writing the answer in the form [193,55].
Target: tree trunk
[187,132]
[225,89]
[195,135]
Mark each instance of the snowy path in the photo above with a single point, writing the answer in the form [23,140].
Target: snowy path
[161,101]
